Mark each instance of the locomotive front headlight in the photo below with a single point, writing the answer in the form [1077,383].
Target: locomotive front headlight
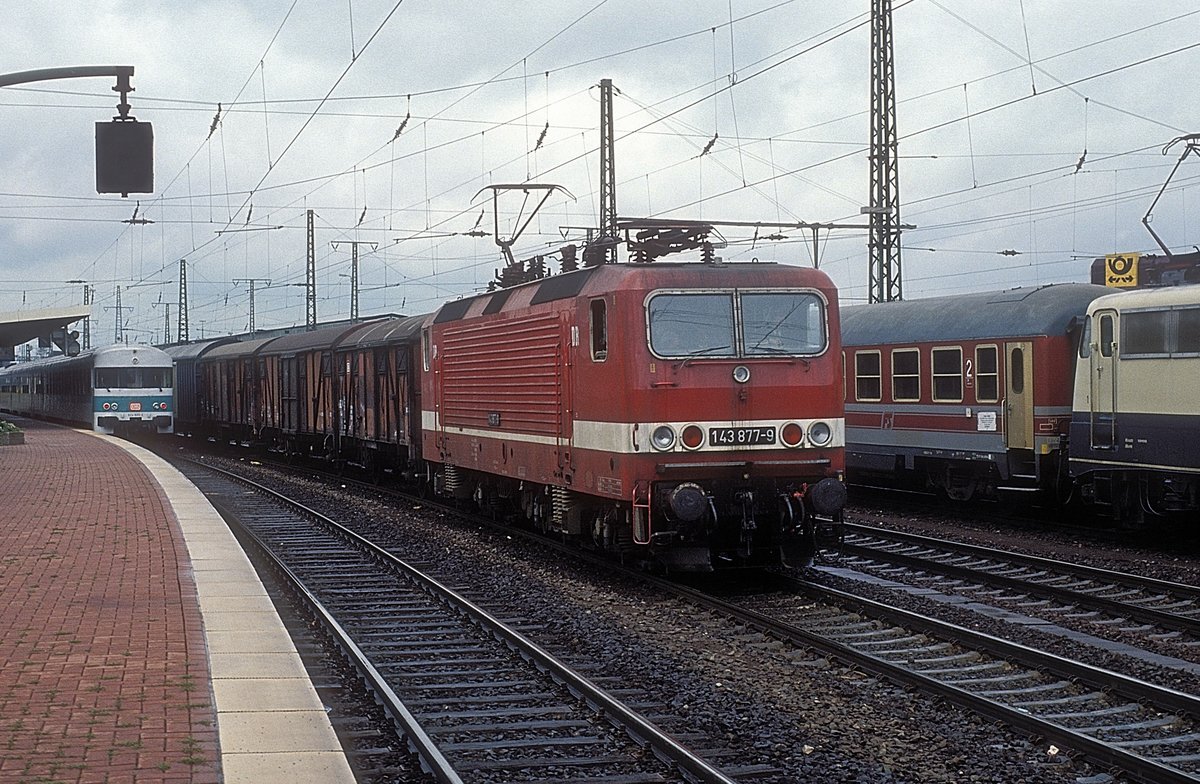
[741,374]
[820,433]
[663,437]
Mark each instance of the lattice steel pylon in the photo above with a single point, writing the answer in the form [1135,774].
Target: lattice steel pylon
[310,280]
[608,173]
[884,244]
[182,330]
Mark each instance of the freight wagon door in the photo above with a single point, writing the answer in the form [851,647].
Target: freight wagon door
[1018,388]
[1103,380]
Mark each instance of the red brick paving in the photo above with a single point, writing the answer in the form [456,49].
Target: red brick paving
[103,672]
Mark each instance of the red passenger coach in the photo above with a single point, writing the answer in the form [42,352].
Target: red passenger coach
[968,394]
[690,411]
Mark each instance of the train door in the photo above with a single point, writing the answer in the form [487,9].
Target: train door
[1018,389]
[303,401]
[1103,382]
[287,391]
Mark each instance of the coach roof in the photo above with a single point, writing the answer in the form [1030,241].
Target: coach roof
[1015,313]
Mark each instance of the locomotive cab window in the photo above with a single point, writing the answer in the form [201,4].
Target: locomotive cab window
[692,325]
[736,324]
[906,374]
[947,375]
[782,323]
[987,377]
[598,311]
[1085,339]
[867,381]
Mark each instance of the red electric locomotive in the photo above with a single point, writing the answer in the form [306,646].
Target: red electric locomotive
[968,394]
[691,412]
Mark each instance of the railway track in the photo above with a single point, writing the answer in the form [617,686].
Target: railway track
[1156,609]
[475,698]
[1148,732]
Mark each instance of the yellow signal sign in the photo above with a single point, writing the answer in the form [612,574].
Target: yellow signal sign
[1121,270]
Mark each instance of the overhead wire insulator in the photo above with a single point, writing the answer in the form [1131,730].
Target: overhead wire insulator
[215,121]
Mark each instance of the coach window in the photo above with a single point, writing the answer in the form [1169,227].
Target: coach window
[1106,335]
[1016,371]
[1145,334]
[906,374]
[599,324]
[987,376]
[867,382]
[947,375]
[1188,332]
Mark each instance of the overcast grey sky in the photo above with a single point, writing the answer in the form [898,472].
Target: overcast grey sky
[998,100]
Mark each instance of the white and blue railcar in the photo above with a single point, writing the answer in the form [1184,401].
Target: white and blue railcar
[1135,425]
[105,389]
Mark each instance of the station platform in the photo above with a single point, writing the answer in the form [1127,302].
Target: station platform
[136,642]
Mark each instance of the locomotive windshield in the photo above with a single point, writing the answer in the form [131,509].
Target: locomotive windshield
[736,324]
[133,378]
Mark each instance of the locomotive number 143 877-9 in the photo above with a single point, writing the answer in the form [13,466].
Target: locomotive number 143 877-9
[740,436]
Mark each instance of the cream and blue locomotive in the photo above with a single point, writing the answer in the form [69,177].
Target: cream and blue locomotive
[120,387]
[1136,412]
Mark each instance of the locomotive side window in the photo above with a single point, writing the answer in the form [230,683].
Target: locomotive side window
[1106,336]
[867,379]
[1187,336]
[425,342]
[947,375]
[906,374]
[692,325]
[782,323]
[987,377]
[1145,334]
[1085,339]
[599,326]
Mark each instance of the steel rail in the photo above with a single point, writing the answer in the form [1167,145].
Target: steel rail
[1082,570]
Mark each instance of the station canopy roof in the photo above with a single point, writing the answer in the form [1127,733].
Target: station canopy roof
[25,325]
